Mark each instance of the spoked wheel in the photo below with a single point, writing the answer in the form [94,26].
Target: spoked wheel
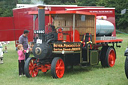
[111,57]
[126,67]
[30,67]
[57,67]
[108,56]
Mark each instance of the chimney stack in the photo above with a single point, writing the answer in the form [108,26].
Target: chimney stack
[41,21]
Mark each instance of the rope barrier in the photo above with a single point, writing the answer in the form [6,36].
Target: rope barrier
[121,32]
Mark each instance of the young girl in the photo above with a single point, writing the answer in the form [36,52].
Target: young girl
[21,59]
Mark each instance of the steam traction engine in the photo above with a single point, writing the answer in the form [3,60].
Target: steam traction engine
[74,38]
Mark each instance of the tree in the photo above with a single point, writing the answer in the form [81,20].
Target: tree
[6,7]
[121,20]
[70,2]
[86,2]
[24,1]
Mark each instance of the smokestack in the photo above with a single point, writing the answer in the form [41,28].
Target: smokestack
[41,21]
[41,17]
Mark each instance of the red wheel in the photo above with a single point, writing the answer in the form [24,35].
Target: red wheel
[108,56]
[111,58]
[30,68]
[57,67]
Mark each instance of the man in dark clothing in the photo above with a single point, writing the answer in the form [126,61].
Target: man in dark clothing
[23,39]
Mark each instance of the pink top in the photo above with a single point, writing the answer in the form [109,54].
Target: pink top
[21,55]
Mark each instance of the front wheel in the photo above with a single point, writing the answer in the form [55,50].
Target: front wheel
[108,56]
[57,67]
[30,67]
[126,67]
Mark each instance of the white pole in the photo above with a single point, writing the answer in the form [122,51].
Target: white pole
[33,24]
[73,27]
[34,21]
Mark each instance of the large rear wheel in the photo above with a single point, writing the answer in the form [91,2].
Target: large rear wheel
[57,67]
[126,67]
[108,56]
[30,67]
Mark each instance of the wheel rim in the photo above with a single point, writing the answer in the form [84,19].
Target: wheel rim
[112,58]
[33,71]
[60,68]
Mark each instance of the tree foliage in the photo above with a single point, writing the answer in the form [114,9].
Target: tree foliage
[121,20]
[6,7]
[70,2]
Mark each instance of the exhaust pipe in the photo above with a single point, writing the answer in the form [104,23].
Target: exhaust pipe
[41,21]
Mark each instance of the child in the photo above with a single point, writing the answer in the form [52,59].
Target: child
[31,46]
[5,49]
[21,59]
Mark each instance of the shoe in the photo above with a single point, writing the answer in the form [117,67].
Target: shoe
[24,75]
[20,75]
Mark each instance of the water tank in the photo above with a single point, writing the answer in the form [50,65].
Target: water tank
[104,27]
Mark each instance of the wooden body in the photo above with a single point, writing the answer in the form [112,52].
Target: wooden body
[83,27]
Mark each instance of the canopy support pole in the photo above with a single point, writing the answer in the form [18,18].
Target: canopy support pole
[73,27]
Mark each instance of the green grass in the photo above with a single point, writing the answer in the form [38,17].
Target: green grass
[95,75]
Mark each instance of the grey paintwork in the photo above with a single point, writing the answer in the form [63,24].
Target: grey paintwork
[104,27]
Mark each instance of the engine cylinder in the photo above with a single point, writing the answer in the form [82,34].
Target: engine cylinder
[104,27]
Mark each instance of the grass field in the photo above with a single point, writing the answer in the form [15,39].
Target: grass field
[95,75]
